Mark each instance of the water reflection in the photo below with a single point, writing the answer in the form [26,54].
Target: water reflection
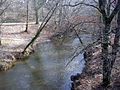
[44,70]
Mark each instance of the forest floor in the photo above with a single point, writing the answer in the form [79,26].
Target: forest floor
[14,40]
[91,77]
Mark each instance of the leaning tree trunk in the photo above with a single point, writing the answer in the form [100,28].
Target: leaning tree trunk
[43,24]
[105,53]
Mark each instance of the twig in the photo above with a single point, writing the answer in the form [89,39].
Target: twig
[81,51]
[81,3]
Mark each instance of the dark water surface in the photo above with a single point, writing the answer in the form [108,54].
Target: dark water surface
[45,69]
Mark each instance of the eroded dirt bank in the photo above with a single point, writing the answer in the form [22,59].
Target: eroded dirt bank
[91,77]
[14,40]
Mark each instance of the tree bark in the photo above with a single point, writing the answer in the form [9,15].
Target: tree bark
[106,64]
[107,19]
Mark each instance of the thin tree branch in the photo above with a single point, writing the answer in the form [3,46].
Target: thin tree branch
[81,3]
[81,51]
[4,9]
[115,11]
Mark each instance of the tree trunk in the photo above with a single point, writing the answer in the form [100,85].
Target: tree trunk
[0,37]
[106,64]
[36,16]
[26,30]
[43,24]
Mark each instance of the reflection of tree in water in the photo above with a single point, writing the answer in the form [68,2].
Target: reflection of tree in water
[53,63]
[44,69]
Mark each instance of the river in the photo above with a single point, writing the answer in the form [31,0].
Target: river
[45,69]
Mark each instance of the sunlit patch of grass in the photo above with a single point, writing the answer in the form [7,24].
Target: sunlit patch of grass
[6,41]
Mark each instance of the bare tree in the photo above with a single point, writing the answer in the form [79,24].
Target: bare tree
[108,16]
[27,17]
[108,13]
[37,5]
[2,10]
[45,21]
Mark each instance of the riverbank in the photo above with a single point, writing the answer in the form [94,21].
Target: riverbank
[91,77]
[14,40]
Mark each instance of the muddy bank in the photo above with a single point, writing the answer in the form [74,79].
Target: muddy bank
[91,77]
[9,60]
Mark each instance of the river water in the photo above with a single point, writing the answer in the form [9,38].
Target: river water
[45,69]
